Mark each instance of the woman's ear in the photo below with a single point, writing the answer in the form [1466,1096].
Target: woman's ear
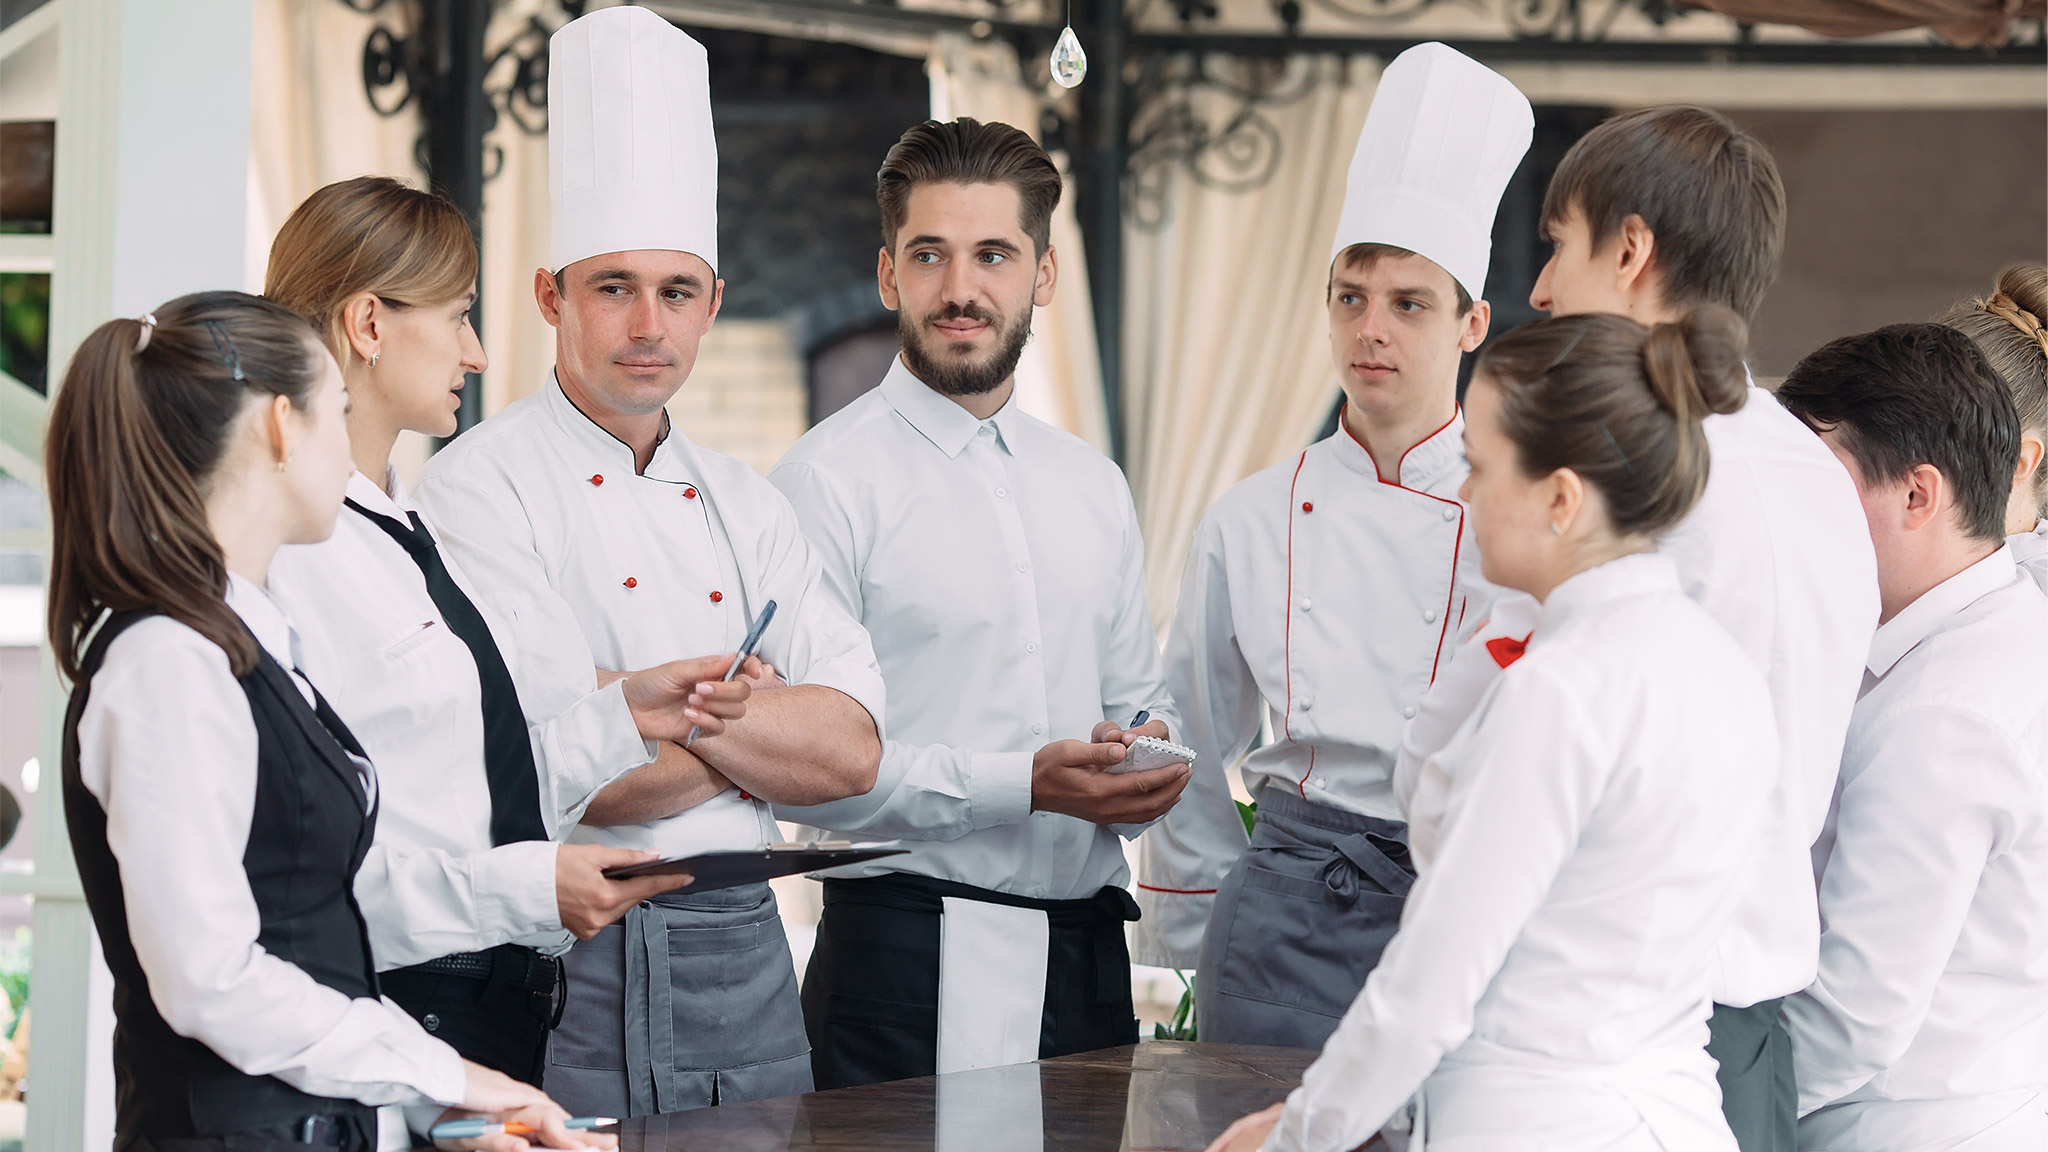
[1567,500]
[279,431]
[361,323]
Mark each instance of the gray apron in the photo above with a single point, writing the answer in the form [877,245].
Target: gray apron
[689,1001]
[1299,923]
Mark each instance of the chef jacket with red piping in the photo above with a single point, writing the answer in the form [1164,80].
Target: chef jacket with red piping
[1778,552]
[597,567]
[1328,598]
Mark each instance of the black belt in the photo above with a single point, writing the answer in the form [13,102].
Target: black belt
[511,964]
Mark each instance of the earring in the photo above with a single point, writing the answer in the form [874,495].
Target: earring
[281,463]
[1556,529]
[374,357]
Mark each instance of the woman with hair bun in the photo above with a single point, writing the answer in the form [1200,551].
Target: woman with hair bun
[218,809]
[2010,326]
[469,900]
[1592,822]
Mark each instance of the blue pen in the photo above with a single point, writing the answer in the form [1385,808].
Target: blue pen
[1139,720]
[475,1126]
[746,649]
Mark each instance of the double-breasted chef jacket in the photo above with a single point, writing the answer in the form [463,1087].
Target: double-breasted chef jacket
[1927,1027]
[1778,551]
[168,747]
[597,564]
[1324,598]
[1578,837]
[373,639]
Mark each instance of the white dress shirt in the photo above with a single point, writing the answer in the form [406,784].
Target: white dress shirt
[597,566]
[407,687]
[998,567]
[1322,597]
[1778,551]
[1929,1020]
[1577,839]
[167,745]
[2030,551]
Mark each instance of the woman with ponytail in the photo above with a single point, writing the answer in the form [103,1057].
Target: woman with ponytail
[1587,832]
[218,809]
[2010,327]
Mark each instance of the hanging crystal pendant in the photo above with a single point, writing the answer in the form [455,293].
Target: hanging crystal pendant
[1069,63]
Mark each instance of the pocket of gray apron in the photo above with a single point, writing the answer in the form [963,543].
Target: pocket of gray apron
[1307,929]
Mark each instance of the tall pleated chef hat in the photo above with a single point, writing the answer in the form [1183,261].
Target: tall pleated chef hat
[631,160]
[1443,137]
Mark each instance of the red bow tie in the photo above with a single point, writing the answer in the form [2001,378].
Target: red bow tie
[1505,650]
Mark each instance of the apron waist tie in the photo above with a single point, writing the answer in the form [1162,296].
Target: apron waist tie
[1381,859]
[650,1013]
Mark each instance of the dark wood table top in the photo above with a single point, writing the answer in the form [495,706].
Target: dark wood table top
[1153,1097]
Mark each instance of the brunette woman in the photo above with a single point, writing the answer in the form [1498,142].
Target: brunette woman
[218,808]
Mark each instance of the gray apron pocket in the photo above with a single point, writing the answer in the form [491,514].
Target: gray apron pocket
[1307,937]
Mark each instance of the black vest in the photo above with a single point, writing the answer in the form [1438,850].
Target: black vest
[307,838]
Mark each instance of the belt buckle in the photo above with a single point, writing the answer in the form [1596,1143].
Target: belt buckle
[320,1132]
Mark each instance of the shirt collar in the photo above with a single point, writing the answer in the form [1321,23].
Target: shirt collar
[938,419]
[1421,466]
[266,621]
[1900,634]
[386,501]
[610,451]
[1590,591]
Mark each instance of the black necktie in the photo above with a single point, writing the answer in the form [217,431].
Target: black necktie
[508,750]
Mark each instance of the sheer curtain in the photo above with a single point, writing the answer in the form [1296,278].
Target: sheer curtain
[1226,361]
[1059,380]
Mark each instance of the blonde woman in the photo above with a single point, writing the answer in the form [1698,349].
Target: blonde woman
[2010,326]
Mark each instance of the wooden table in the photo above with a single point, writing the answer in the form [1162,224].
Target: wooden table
[1159,1096]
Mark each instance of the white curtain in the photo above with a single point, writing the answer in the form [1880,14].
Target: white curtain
[1226,365]
[1059,380]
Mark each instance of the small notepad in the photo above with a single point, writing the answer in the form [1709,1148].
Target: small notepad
[1149,752]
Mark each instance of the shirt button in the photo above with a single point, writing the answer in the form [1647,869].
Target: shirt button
[1307,702]
[1408,713]
[717,597]
[431,1022]
[1038,729]
[1031,647]
[596,480]
[1023,567]
[1450,513]
[689,493]
[746,795]
[632,583]
[1038,891]
[1002,492]
[1429,615]
[1306,506]
[1305,603]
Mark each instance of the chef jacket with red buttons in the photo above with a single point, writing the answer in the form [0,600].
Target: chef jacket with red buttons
[1323,598]
[595,564]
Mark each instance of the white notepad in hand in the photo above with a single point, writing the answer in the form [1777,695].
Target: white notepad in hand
[1149,752]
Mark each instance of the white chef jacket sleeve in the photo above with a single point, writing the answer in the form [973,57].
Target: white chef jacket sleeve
[424,903]
[583,737]
[1529,777]
[1914,831]
[1185,856]
[1457,689]
[167,745]
[923,791]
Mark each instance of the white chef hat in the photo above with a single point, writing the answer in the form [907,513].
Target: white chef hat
[1443,137]
[631,160]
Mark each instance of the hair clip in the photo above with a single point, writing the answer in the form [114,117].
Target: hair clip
[225,345]
[1569,345]
[1616,444]
[148,322]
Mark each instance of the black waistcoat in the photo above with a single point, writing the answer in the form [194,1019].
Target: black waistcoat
[308,836]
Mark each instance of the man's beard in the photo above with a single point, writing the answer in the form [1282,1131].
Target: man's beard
[952,375]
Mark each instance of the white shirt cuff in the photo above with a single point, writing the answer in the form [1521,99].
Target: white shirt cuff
[998,788]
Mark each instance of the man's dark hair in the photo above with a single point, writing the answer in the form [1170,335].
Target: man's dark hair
[1709,192]
[1913,394]
[966,151]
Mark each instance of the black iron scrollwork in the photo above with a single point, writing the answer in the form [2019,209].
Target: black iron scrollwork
[1206,117]
[399,63]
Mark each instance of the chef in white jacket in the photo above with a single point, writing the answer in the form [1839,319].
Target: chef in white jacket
[610,540]
[2010,326]
[1927,1028]
[1584,829]
[996,561]
[1652,212]
[1325,592]
[468,900]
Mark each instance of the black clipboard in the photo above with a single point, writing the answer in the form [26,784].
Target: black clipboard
[714,870]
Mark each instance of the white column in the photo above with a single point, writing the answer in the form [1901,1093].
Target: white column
[151,198]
